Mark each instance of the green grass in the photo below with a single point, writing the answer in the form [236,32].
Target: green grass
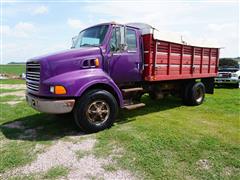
[15,153]
[110,167]
[56,172]
[164,140]
[9,98]
[12,81]
[12,69]
[9,90]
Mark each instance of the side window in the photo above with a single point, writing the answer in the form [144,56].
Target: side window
[115,40]
[131,40]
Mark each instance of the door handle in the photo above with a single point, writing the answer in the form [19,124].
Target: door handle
[138,65]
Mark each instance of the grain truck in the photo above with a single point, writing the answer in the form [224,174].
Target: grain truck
[110,66]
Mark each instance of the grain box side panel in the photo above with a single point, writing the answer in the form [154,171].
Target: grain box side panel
[171,61]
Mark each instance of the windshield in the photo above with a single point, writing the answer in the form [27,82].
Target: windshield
[228,70]
[92,36]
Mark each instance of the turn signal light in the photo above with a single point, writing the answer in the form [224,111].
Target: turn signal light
[58,90]
[97,62]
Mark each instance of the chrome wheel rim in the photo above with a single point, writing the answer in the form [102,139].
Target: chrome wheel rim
[98,112]
[199,95]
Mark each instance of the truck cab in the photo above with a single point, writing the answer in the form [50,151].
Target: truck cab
[102,72]
[120,48]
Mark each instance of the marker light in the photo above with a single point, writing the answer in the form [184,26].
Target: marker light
[58,90]
[97,62]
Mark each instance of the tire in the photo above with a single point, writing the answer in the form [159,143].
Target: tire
[194,94]
[95,111]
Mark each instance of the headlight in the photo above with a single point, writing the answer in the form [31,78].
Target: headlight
[234,75]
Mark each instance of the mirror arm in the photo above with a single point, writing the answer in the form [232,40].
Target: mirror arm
[74,40]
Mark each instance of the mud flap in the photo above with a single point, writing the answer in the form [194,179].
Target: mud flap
[209,85]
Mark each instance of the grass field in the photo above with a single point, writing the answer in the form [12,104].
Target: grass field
[12,69]
[164,140]
[171,141]
[12,81]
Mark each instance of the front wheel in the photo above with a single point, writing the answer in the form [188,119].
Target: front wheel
[95,111]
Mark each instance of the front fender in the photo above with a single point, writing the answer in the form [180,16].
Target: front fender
[76,82]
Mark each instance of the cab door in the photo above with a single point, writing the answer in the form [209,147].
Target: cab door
[124,63]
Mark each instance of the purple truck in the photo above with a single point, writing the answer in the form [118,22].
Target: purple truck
[110,66]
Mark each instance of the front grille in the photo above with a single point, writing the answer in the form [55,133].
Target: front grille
[33,75]
[225,75]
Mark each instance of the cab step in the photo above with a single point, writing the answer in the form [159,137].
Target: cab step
[132,89]
[134,106]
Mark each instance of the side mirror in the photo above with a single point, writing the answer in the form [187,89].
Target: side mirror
[74,40]
[123,45]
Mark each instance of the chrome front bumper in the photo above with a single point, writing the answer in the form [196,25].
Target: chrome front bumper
[50,106]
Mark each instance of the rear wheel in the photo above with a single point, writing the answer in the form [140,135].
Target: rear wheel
[95,111]
[194,93]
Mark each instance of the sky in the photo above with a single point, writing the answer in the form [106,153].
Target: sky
[33,28]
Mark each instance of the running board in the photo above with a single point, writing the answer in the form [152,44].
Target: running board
[132,89]
[134,106]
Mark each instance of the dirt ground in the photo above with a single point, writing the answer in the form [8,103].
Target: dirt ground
[65,153]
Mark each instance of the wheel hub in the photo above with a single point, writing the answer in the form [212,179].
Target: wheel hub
[98,112]
[199,95]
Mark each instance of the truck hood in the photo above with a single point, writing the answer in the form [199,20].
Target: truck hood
[67,54]
[65,61]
